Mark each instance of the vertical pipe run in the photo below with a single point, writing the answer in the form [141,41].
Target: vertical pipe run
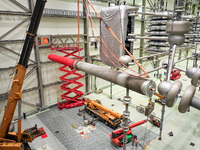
[162,119]
[170,67]
[126,113]
[142,32]
[171,62]
[86,49]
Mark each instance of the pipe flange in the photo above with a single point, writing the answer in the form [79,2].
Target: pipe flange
[125,128]
[148,88]
[127,100]
[126,114]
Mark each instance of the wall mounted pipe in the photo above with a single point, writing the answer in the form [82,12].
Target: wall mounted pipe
[137,84]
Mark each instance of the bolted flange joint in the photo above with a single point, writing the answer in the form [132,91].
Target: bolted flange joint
[127,100]
[125,128]
[126,114]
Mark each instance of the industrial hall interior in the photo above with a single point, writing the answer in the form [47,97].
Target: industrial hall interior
[99,75]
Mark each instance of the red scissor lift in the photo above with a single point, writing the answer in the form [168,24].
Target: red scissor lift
[70,101]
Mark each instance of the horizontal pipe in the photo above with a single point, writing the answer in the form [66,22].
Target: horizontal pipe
[147,37]
[195,102]
[137,84]
[183,59]
[130,126]
[156,69]
[151,55]
[155,14]
[179,69]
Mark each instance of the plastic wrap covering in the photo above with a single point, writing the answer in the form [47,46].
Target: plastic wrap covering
[117,19]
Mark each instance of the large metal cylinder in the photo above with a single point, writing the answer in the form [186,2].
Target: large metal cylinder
[137,84]
[195,102]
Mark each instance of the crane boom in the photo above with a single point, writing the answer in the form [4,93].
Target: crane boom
[20,69]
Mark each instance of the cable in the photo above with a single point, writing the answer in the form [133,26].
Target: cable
[85,6]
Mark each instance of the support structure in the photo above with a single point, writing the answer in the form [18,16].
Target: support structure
[126,115]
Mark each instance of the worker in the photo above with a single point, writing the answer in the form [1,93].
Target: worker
[171,133]
[134,140]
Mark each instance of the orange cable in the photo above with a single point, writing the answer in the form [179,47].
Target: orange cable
[78,28]
[109,50]
[127,51]
[94,9]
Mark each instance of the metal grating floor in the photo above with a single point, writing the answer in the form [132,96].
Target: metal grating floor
[56,120]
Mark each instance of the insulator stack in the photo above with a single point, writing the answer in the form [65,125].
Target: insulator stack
[156,26]
[71,85]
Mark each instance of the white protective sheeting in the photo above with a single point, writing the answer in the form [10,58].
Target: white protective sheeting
[117,19]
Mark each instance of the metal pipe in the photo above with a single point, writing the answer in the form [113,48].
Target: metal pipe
[126,115]
[171,62]
[183,59]
[137,84]
[16,53]
[162,119]
[39,73]
[15,13]
[151,55]
[155,69]
[168,79]
[179,69]
[195,103]
[146,37]
[15,27]
[20,5]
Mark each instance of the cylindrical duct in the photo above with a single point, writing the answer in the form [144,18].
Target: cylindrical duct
[195,102]
[137,84]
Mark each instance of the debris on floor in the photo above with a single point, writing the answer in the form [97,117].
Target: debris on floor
[192,144]
[83,130]
[44,147]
